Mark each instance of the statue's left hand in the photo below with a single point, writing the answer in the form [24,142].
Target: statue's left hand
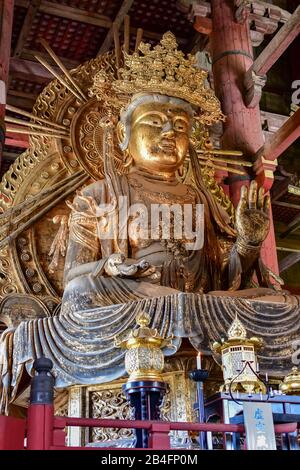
[252,215]
[118,265]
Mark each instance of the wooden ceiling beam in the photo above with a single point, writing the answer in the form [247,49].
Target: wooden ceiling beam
[22,3]
[20,99]
[29,68]
[27,24]
[26,103]
[282,139]
[75,14]
[278,44]
[64,11]
[288,261]
[125,7]
[23,94]
[292,227]
[281,191]
[256,76]
[289,205]
[6,25]
[29,54]
[14,139]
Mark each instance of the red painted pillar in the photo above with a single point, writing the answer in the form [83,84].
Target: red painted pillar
[6,20]
[232,56]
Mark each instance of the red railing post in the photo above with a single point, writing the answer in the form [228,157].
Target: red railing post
[159,436]
[12,433]
[40,427]
[40,421]
[59,434]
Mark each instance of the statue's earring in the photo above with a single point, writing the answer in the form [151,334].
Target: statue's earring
[127,159]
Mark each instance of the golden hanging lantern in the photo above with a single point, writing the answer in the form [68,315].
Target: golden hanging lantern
[144,359]
[239,360]
[291,383]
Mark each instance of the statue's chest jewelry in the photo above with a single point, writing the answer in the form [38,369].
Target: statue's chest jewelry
[140,194]
[148,223]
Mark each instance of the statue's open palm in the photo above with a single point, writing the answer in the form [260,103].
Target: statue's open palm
[252,215]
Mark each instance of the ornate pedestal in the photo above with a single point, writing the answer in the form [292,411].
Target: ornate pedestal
[109,401]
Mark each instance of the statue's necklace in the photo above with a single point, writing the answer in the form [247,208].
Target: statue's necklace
[162,197]
[154,178]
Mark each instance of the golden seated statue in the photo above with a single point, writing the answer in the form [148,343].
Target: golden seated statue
[128,249]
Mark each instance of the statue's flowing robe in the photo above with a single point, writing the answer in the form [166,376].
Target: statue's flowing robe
[96,309]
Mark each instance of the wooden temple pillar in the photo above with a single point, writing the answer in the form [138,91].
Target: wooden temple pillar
[232,57]
[6,21]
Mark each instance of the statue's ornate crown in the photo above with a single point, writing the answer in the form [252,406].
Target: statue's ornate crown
[164,70]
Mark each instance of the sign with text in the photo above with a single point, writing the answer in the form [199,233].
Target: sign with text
[259,426]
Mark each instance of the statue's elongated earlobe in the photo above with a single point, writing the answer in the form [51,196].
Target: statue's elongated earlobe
[123,138]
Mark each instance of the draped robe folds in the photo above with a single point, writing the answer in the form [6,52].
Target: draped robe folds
[97,308]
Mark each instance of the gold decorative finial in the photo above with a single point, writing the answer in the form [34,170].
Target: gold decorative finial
[143,319]
[144,359]
[291,382]
[237,330]
[164,70]
[239,359]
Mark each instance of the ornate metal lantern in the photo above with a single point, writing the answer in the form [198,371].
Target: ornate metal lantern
[144,359]
[239,360]
[291,383]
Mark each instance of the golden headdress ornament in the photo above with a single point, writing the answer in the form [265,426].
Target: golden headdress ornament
[164,70]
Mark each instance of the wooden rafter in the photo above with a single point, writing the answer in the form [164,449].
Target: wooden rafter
[292,227]
[282,139]
[23,94]
[13,139]
[125,7]
[6,21]
[255,78]
[289,261]
[27,24]
[28,68]
[29,54]
[75,14]
[278,44]
[280,192]
[21,102]
[288,205]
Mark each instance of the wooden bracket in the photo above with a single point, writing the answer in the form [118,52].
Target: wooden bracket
[253,84]
[264,170]
[242,10]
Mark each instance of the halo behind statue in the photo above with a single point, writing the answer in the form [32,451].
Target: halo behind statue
[66,150]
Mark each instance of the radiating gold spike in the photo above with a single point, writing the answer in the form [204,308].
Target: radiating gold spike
[13,109]
[31,199]
[139,35]
[236,153]
[30,124]
[29,132]
[43,211]
[227,160]
[39,203]
[56,75]
[126,33]
[62,67]
[225,168]
[117,44]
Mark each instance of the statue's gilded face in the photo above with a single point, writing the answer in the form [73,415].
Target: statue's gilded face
[159,136]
